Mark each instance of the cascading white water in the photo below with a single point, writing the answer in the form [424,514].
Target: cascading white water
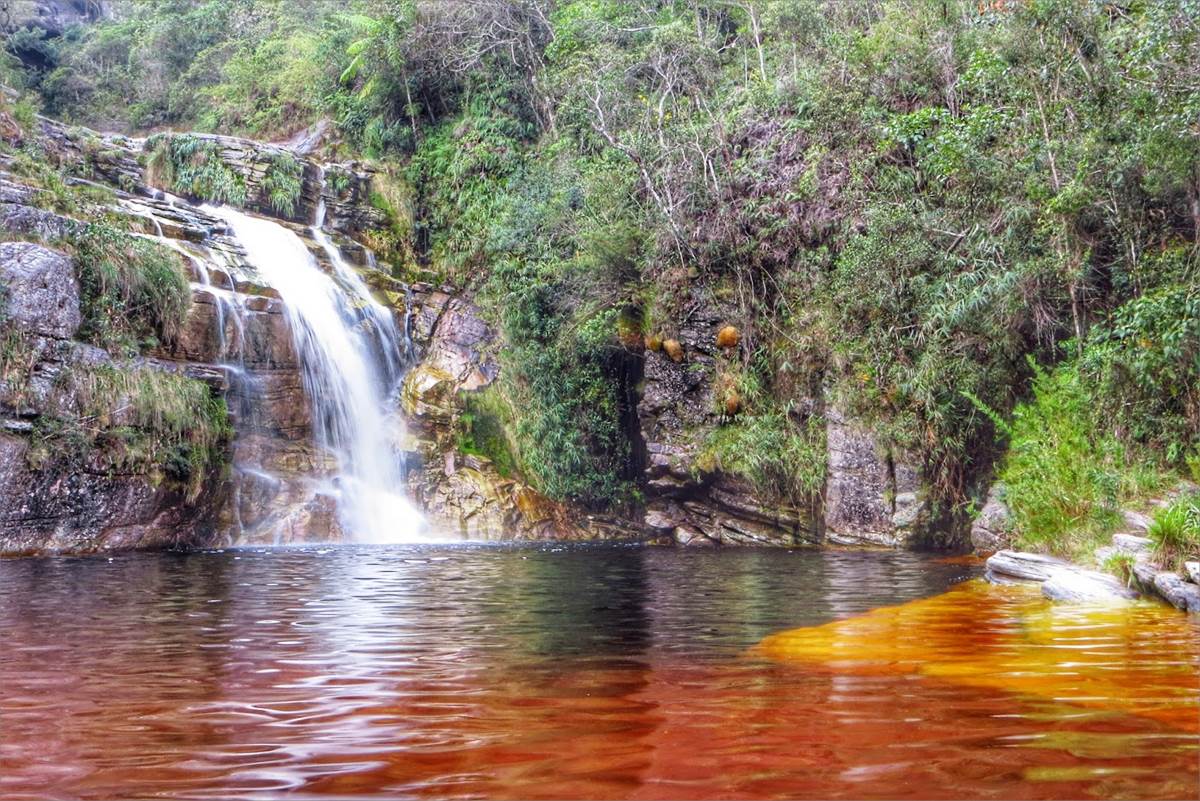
[349,351]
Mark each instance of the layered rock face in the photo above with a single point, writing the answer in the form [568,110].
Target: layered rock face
[235,338]
[49,501]
[237,329]
[873,495]
[677,408]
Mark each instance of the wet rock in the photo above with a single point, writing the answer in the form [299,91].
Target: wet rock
[660,521]
[428,396]
[1027,566]
[1179,593]
[722,510]
[68,507]
[1193,571]
[690,537]
[41,295]
[1061,581]
[863,484]
[311,522]
[1084,586]
[1144,573]
[990,531]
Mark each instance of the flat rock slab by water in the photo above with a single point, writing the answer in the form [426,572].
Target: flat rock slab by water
[1180,593]
[1061,580]
[1083,586]
[1027,566]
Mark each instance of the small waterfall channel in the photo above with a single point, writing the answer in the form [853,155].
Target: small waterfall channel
[351,353]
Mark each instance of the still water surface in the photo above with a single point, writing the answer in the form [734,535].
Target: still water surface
[526,672]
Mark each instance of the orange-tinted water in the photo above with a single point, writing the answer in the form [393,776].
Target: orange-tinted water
[601,673]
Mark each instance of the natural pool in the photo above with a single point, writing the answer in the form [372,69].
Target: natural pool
[600,672]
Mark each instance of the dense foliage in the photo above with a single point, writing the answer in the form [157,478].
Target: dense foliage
[908,200]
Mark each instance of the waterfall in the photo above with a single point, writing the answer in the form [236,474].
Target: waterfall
[351,356]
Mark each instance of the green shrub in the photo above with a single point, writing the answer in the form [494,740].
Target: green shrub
[283,182]
[1064,474]
[135,420]
[192,166]
[779,452]
[1175,531]
[53,192]
[567,385]
[133,291]
[1120,565]
[1145,365]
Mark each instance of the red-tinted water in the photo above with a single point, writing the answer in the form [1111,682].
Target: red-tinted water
[600,673]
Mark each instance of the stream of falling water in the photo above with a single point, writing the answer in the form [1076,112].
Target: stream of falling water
[351,355]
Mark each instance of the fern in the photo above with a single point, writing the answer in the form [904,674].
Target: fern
[283,182]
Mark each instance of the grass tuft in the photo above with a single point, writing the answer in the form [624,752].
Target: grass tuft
[134,292]
[1175,531]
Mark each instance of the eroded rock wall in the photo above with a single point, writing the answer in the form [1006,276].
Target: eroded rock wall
[51,500]
[465,494]
[678,409]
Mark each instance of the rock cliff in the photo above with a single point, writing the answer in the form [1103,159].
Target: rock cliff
[51,499]
[235,339]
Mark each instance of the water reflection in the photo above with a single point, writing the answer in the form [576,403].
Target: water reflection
[517,672]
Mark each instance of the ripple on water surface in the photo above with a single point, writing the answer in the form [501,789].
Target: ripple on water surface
[516,672]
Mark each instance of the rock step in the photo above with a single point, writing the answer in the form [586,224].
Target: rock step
[1061,580]
[1133,545]
[1173,588]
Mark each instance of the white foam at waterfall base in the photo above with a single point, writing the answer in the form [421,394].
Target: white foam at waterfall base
[343,377]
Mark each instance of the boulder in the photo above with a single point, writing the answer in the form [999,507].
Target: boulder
[41,295]
[18,218]
[990,531]
[1136,520]
[1193,571]
[1061,581]
[1133,545]
[1179,593]
[1027,566]
[1084,586]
